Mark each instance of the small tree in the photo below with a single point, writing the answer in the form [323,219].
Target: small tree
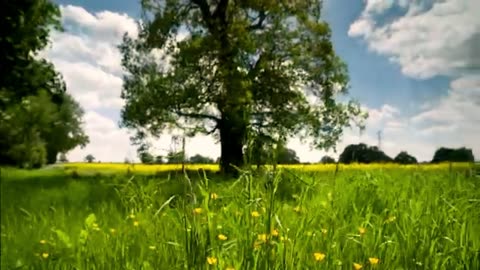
[404,158]
[199,159]
[89,158]
[327,160]
[175,157]
[63,158]
[286,156]
[362,153]
[146,158]
[159,160]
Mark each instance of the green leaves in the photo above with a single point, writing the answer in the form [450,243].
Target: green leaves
[38,119]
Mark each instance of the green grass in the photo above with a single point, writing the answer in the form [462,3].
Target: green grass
[413,219]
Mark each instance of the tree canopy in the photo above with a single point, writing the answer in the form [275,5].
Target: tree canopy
[404,158]
[327,160]
[199,159]
[175,157]
[233,68]
[454,155]
[89,158]
[362,153]
[38,119]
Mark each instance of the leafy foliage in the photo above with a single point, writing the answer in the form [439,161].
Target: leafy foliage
[199,159]
[404,158]
[454,155]
[38,119]
[327,160]
[231,68]
[89,158]
[175,157]
[146,158]
[361,153]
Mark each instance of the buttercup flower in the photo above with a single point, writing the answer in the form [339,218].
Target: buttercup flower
[212,260]
[357,266]
[319,256]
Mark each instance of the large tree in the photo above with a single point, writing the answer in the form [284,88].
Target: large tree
[230,67]
[38,119]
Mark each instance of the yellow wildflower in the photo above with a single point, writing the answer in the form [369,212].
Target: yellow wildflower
[213,196]
[391,219]
[297,209]
[357,266]
[135,223]
[362,230]
[45,255]
[284,238]
[319,256]
[373,261]
[324,231]
[152,247]
[255,214]
[262,237]
[212,260]
[274,232]
[43,242]
[222,237]
[197,210]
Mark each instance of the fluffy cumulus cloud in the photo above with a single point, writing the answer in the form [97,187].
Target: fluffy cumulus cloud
[429,39]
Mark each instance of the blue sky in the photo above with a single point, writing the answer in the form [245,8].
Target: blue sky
[404,68]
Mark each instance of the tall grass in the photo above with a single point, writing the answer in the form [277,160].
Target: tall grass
[289,219]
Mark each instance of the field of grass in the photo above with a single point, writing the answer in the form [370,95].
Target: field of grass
[115,216]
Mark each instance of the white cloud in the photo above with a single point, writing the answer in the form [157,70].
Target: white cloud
[378,6]
[442,40]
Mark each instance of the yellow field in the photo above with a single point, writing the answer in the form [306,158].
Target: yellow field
[145,168]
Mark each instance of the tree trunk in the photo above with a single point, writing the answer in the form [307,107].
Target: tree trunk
[51,156]
[232,138]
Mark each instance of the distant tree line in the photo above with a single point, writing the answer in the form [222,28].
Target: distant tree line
[354,153]
[361,153]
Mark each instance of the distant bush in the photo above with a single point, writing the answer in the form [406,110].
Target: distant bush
[454,155]
[327,160]
[404,158]
[362,153]
[199,159]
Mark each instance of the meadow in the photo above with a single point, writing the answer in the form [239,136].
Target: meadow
[116,216]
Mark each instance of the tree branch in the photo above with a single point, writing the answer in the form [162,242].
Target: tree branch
[198,116]
[221,10]
[205,9]
[259,25]
[213,130]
